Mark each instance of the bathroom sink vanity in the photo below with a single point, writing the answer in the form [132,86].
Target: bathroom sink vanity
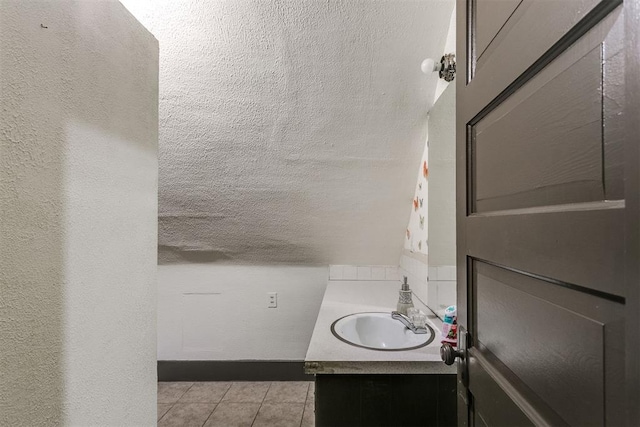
[357,386]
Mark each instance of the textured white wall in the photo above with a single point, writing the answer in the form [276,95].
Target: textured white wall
[217,312]
[449,47]
[290,130]
[78,209]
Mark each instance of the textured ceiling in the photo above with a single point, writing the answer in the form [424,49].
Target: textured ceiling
[290,131]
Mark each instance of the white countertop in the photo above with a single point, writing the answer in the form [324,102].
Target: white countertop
[328,355]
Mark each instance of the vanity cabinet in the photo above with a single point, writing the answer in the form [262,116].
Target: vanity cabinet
[397,400]
[360,387]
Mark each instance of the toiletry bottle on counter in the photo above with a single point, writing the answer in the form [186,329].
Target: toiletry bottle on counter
[405,301]
[450,326]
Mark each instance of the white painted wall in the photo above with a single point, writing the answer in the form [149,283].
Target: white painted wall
[290,130]
[218,312]
[449,47]
[78,209]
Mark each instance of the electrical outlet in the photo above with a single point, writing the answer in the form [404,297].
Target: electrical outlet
[273,299]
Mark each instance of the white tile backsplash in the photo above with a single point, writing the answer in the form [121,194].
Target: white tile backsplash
[442,272]
[363,272]
[447,272]
[415,269]
[392,273]
[442,291]
[432,273]
[335,272]
[350,272]
[447,291]
[378,273]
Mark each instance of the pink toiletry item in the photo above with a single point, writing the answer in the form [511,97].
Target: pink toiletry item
[450,326]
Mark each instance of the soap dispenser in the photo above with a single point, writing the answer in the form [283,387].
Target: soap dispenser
[405,301]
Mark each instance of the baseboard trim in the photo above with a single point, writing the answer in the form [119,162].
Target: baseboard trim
[231,370]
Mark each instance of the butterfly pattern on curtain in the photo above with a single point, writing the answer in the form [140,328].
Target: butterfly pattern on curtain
[416,234]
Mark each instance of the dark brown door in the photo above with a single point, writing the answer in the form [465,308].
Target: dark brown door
[545,260]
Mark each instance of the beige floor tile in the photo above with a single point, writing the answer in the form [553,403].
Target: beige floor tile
[233,415]
[287,392]
[169,392]
[311,395]
[309,416]
[187,415]
[205,392]
[279,415]
[163,408]
[246,392]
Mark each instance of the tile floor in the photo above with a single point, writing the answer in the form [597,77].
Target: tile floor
[236,404]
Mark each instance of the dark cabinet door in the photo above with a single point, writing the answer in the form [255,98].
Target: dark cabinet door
[546,197]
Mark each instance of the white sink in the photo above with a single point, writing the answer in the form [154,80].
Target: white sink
[378,331]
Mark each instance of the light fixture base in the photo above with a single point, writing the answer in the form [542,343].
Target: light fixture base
[447,67]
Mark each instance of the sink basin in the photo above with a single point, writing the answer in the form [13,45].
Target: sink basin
[378,331]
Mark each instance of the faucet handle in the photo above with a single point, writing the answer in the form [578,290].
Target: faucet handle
[423,329]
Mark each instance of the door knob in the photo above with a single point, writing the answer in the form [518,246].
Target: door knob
[448,354]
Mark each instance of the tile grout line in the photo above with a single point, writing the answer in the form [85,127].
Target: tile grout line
[304,408]
[260,407]
[312,386]
[225,393]
[172,404]
[165,414]
[216,407]
[185,392]
[211,413]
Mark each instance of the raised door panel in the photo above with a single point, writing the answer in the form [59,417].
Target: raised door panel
[550,336]
[491,16]
[578,245]
[559,136]
[543,145]
[524,43]
[493,406]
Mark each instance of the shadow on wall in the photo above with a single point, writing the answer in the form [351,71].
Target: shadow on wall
[59,66]
[175,255]
[283,252]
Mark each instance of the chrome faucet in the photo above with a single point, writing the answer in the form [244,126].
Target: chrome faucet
[409,324]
